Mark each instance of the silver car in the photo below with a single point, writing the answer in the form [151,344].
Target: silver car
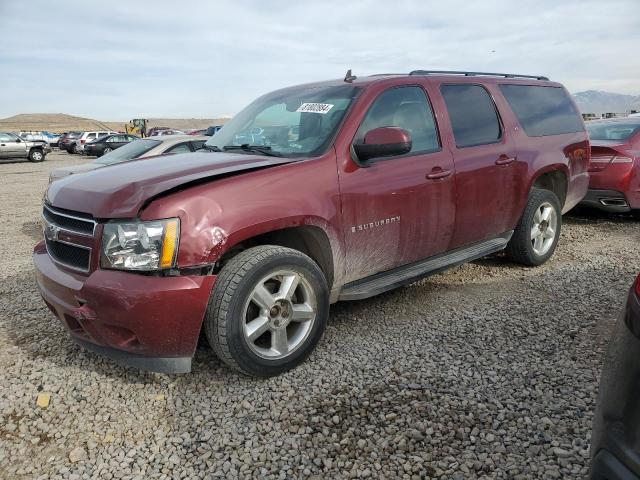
[138,149]
[13,146]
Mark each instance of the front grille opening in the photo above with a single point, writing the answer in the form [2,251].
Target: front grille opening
[68,223]
[69,255]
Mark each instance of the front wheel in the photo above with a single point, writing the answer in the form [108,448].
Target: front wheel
[106,150]
[267,311]
[36,155]
[536,236]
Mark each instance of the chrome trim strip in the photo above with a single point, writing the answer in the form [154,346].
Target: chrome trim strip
[87,220]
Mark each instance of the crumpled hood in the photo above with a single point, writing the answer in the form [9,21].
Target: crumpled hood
[121,190]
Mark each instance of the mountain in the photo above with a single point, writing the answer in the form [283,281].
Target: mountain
[599,102]
[61,122]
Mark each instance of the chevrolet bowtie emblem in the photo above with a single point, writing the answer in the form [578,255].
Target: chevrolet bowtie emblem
[51,232]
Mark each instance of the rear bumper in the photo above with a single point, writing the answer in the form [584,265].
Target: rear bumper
[152,323]
[606,200]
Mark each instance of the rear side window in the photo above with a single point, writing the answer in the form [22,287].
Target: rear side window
[543,111]
[473,115]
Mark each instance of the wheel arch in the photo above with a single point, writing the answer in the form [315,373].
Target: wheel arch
[309,238]
[554,178]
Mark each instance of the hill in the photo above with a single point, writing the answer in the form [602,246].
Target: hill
[62,122]
[598,102]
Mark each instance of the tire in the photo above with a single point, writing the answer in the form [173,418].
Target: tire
[73,149]
[523,247]
[36,155]
[233,306]
[106,150]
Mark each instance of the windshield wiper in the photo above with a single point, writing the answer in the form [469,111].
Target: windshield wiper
[245,147]
[211,148]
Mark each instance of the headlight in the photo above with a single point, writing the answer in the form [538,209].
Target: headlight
[140,245]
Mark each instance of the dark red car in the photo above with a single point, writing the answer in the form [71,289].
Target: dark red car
[615,165]
[351,188]
[615,442]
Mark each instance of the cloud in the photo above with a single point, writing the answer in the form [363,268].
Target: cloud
[127,59]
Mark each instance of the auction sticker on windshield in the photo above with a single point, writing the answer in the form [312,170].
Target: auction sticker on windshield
[315,108]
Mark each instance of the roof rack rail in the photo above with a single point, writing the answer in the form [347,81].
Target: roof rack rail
[475,74]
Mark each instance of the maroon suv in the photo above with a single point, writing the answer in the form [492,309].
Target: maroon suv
[312,194]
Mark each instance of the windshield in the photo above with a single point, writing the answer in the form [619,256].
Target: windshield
[293,122]
[613,130]
[128,152]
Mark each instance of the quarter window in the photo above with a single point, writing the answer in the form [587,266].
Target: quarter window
[404,107]
[473,115]
[543,110]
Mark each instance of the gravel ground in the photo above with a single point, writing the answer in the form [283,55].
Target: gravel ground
[488,370]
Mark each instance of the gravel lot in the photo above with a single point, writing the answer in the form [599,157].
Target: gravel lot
[488,370]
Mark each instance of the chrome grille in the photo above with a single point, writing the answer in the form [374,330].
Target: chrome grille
[72,256]
[72,227]
[71,222]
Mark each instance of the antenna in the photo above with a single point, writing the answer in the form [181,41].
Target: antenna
[349,78]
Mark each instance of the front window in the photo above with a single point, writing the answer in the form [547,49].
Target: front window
[291,123]
[612,130]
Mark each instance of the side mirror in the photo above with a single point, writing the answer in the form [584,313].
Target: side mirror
[18,140]
[383,142]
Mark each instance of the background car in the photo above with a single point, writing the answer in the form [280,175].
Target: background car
[44,136]
[14,146]
[138,149]
[615,442]
[614,183]
[108,143]
[168,131]
[67,139]
[78,145]
[212,130]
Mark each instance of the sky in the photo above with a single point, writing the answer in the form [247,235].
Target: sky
[119,60]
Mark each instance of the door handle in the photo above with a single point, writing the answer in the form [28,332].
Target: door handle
[436,174]
[2,145]
[505,160]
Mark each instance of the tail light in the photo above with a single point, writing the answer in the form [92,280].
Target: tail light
[621,159]
[638,286]
[81,141]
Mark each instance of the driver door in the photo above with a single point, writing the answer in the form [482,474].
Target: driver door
[398,210]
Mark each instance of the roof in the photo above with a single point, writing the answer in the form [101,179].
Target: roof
[170,139]
[446,74]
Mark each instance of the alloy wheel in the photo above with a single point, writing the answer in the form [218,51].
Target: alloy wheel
[279,314]
[544,228]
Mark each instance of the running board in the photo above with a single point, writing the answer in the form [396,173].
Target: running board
[384,281]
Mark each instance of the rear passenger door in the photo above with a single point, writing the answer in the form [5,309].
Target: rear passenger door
[487,168]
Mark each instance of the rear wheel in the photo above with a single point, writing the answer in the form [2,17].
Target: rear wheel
[267,311]
[36,155]
[536,236]
[73,148]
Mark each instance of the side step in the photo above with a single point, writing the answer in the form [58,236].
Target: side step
[384,281]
